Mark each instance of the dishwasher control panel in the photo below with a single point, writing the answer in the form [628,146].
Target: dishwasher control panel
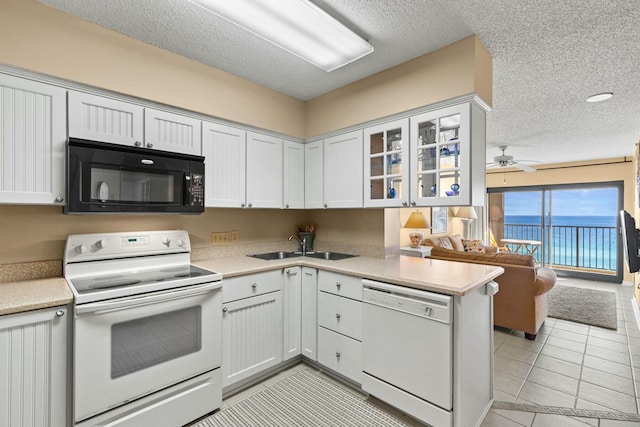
[419,303]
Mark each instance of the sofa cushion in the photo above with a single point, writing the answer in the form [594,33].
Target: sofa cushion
[496,258]
[473,246]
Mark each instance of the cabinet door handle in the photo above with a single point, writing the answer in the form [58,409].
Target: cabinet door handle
[254,285]
[326,206]
[242,205]
[59,199]
[249,205]
[149,145]
[404,203]
[225,309]
[338,316]
[291,273]
[137,144]
[287,206]
[413,203]
[337,355]
[338,284]
[60,313]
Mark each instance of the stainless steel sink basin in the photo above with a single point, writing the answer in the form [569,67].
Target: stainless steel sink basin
[330,256]
[276,255]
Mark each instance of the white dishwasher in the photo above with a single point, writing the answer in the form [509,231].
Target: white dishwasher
[407,350]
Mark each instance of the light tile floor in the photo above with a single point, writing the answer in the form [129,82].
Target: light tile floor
[569,365]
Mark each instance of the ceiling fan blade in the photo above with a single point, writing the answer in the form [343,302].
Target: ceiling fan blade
[522,167]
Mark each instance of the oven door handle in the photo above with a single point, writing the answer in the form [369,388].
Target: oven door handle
[137,301]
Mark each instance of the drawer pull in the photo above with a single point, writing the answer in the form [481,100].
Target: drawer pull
[337,355]
[254,285]
[60,313]
[338,284]
[338,316]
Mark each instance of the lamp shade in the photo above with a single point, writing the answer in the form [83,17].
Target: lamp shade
[466,212]
[417,220]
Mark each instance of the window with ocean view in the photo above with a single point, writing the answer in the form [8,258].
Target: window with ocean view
[573,229]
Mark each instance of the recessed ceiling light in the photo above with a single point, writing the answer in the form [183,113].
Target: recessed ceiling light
[297,26]
[599,97]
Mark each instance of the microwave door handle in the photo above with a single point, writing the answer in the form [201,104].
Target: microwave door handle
[110,306]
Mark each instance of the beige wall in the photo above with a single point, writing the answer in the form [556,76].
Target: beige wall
[358,226]
[618,169]
[43,39]
[462,68]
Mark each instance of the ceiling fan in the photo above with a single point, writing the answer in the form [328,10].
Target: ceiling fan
[504,161]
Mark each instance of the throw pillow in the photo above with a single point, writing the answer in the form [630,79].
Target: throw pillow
[473,246]
[445,243]
[456,242]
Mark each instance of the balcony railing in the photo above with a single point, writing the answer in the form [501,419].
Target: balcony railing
[582,247]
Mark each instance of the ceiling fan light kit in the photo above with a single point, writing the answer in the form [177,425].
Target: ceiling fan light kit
[297,26]
[503,161]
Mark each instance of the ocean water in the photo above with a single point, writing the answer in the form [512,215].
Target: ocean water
[576,241]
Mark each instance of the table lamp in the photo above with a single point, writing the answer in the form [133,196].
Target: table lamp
[466,214]
[416,220]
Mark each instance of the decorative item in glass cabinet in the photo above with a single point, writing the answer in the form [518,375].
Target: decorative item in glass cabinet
[433,189]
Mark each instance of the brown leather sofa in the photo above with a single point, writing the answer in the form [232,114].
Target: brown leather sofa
[521,302]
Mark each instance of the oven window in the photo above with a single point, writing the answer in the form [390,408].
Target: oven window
[141,343]
[116,185]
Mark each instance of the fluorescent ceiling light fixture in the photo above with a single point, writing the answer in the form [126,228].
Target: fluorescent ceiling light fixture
[297,26]
[600,97]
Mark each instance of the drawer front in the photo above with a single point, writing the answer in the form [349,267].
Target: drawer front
[251,285]
[340,284]
[340,315]
[341,354]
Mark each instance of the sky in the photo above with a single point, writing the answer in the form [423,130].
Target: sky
[581,202]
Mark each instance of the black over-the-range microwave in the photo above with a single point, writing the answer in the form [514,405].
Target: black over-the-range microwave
[111,178]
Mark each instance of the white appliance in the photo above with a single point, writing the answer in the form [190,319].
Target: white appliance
[407,347]
[147,330]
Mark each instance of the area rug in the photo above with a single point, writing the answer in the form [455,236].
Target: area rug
[587,306]
[305,398]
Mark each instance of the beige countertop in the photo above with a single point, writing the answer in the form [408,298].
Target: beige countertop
[16,297]
[447,277]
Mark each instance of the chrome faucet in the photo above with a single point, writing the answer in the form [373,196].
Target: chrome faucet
[303,243]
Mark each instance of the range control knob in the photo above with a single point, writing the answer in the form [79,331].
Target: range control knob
[180,242]
[101,244]
[166,241]
[81,249]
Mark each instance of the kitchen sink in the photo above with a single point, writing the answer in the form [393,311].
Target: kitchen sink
[276,255]
[330,256]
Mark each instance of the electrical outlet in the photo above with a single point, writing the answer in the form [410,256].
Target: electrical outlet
[235,236]
[219,237]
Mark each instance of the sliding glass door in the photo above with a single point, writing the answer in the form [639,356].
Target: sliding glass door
[571,228]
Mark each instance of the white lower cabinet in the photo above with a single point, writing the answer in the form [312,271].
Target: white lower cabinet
[33,368]
[309,313]
[340,354]
[252,327]
[340,324]
[292,296]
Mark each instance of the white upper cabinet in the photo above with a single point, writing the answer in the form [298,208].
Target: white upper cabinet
[293,175]
[343,171]
[386,164]
[224,150]
[264,171]
[32,142]
[313,175]
[103,119]
[448,157]
[172,132]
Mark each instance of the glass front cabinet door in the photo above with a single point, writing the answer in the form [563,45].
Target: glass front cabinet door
[386,164]
[448,157]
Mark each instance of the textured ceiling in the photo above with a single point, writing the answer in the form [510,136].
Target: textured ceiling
[548,56]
